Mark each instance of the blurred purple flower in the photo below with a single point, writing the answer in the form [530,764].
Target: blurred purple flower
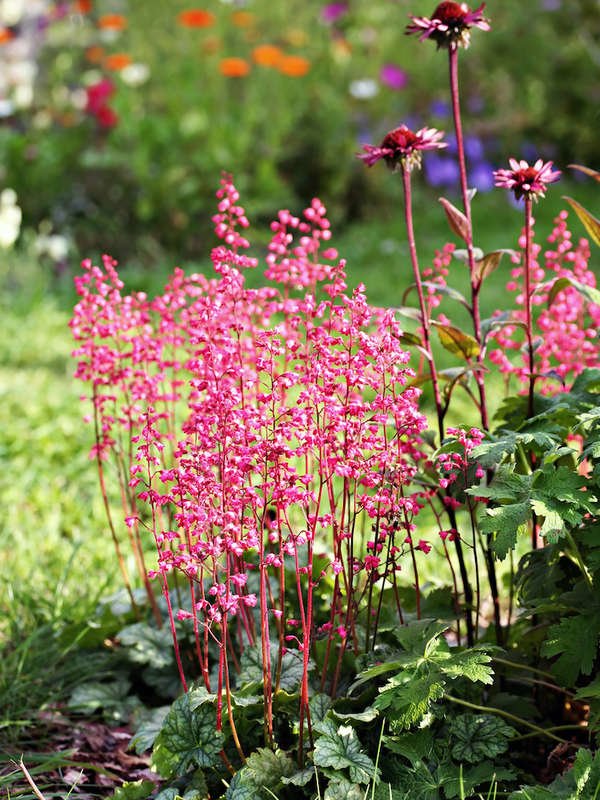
[441,171]
[551,5]
[440,108]
[481,177]
[474,148]
[393,76]
[333,11]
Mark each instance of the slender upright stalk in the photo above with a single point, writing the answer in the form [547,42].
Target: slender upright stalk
[425,320]
[529,305]
[464,188]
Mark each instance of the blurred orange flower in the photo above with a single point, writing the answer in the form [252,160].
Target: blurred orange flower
[83,6]
[243,19]
[267,55]
[112,22]
[234,67]
[6,35]
[117,61]
[294,66]
[196,18]
[94,54]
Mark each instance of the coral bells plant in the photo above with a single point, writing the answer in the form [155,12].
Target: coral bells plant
[324,559]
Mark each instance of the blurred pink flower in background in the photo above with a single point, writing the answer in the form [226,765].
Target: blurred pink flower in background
[393,76]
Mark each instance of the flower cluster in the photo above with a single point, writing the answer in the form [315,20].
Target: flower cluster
[568,325]
[258,426]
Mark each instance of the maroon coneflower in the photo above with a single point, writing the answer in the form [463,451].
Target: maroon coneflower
[525,180]
[449,25]
[401,148]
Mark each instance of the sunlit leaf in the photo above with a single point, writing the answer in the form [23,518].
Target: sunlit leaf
[590,223]
[488,263]
[590,293]
[592,173]
[457,342]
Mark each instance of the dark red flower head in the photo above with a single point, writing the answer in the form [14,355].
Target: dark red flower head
[401,148]
[449,25]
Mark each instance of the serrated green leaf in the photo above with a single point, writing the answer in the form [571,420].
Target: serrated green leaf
[476,737]
[146,733]
[343,790]
[319,705]
[368,715]
[472,664]
[416,745]
[267,767]
[456,341]
[407,699]
[575,641]
[506,522]
[188,739]
[134,790]
[590,223]
[341,751]
[300,778]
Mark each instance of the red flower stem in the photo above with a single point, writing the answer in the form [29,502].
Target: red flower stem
[475,283]
[426,325]
[529,305]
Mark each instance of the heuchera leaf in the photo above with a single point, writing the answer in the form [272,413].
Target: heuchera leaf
[476,737]
[456,219]
[590,223]
[148,730]
[343,790]
[147,645]
[134,790]
[342,750]
[457,342]
[188,739]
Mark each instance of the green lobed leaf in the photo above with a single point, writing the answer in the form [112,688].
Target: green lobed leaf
[147,645]
[343,790]
[506,523]
[342,750]
[476,737]
[146,733]
[473,664]
[406,699]
[187,739]
[134,790]
[575,641]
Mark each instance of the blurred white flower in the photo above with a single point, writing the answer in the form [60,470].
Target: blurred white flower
[135,74]
[11,11]
[7,107]
[55,246]
[10,218]
[364,89]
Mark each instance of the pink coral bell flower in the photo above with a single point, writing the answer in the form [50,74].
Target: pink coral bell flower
[525,180]
[402,148]
[450,24]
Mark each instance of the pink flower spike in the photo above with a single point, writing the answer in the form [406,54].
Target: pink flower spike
[402,148]
[449,25]
[525,180]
